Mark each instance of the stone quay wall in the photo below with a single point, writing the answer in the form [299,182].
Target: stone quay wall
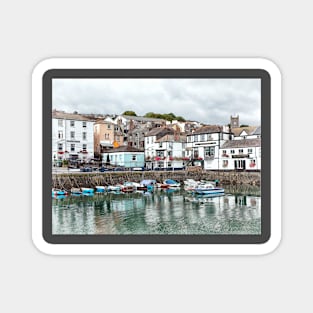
[92,179]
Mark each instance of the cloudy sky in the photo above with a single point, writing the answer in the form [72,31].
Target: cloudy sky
[210,101]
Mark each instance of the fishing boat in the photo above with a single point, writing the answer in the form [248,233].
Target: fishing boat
[208,189]
[59,192]
[87,191]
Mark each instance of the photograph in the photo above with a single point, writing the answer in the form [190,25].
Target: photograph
[156,156]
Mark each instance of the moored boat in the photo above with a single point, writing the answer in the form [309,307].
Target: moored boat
[59,192]
[171,183]
[208,189]
[76,191]
[100,189]
[86,190]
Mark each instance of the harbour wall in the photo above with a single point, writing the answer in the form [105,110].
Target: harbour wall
[92,179]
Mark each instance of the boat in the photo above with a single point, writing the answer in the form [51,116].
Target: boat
[208,189]
[146,185]
[171,183]
[100,189]
[86,190]
[190,185]
[114,188]
[59,192]
[76,191]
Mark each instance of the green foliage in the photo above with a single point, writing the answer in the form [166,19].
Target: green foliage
[243,125]
[129,113]
[166,116]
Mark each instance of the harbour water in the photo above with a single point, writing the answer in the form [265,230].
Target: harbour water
[160,212]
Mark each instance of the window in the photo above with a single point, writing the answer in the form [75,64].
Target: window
[60,123]
[160,154]
[72,147]
[60,134]
[60,147]
[169,164]
[84,124]
[224,152]
[84,136]
[106,136]
[249,150]
[72,123]
[240,151]
[72,135]
[202,137]
[160,144]
[169,153]
[147,140]
[134,157]
[196,138]
[170,145]
[209,152]
[84,147]
[232,151]
[109,126]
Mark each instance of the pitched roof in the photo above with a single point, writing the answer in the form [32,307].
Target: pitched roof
[70,116]
[143,119]
[249,130]
[124,149]
[172,138]
[208,129]
[244,143]
[160,131]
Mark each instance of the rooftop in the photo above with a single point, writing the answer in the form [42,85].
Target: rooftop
[124,149]
[208,129]
[172,138]
[244,143]
[70,116]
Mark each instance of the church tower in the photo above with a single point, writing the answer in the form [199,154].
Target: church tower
[234,121]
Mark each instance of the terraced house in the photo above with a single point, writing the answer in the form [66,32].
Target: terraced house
[72,136]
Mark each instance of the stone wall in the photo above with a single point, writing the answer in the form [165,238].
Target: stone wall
[69,180]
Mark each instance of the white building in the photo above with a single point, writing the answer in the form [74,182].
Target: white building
[204,143]
[169,152]
[72,136]
[242,154]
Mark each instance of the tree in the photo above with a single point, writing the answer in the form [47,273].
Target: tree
[243,125]
[129,113]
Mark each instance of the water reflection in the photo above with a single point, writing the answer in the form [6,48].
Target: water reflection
[175,212]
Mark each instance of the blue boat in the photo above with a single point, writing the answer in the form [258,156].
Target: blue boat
[87,191]
[100,189]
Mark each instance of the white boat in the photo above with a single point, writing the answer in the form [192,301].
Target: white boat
[208,189]
[100,189]
[171,183]
[86,190]
[114,188]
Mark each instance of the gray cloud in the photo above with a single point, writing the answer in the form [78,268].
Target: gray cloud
[210,101]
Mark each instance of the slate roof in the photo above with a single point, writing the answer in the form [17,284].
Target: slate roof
[160,131]
[208,129]
[244,143]
[143,119]
[172,138]
[124,149]
[70,116]
[249,130]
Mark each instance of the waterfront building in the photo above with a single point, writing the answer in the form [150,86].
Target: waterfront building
[204,143]
[151,146]
[107,135]
[244,154]
[169,152]
[125,156]
[72,136]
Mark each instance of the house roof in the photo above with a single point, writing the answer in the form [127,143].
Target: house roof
[244,143]
[160,131]
[257,131]
[142,119]
[124,149]
[249,130]
[70,116]
[172,138]
[208,129]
